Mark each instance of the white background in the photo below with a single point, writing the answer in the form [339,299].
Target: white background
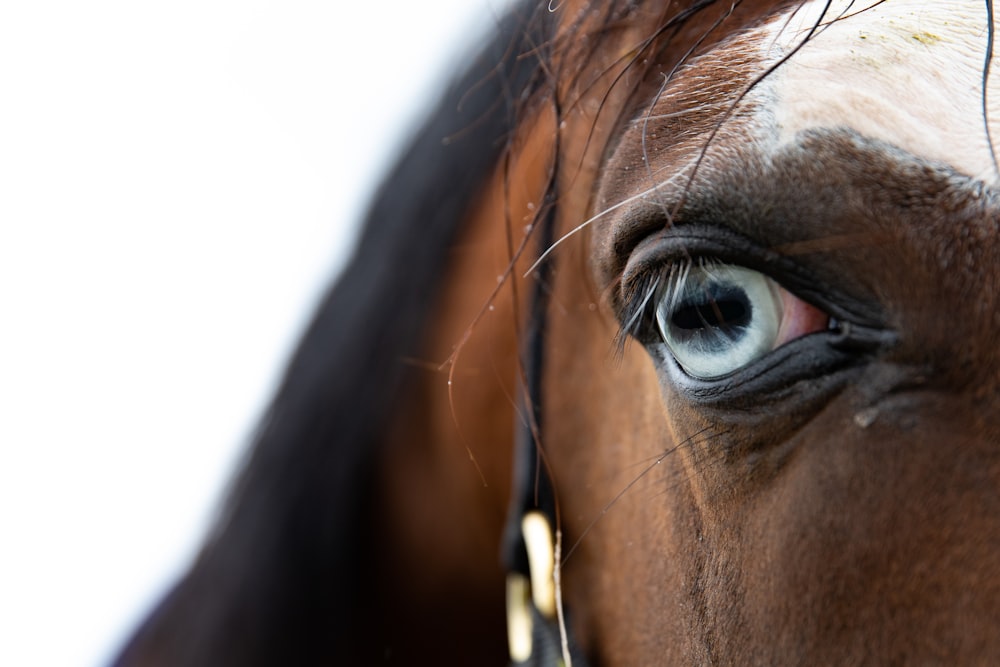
[177,183]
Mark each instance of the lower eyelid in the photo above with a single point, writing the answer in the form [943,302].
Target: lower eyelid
[798,319]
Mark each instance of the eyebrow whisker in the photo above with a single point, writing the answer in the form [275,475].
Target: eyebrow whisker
[634,198]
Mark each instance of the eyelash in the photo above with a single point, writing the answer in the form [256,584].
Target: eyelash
[715,318]
[639,298]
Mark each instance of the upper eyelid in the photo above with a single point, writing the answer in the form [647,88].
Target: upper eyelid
[762,200]
[665,247]
[672,278]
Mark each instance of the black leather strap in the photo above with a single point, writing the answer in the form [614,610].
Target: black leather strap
[532,490]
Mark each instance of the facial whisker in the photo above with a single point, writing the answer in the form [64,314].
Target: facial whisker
[987,66]
[638,478]
[634,198]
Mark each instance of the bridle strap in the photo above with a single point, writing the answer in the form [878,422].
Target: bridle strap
[528,541]
[532,489]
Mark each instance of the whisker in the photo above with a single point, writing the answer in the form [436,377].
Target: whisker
[634,198]
[681,113]
[618,496]
[667,486]
[666,79]
[987,66]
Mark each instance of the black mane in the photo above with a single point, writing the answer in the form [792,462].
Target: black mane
[275,582]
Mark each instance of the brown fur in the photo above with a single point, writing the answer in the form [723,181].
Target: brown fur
[802,534]
[446,461]
[849,516]
[794,533]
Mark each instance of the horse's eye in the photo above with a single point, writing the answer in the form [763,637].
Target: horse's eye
[717,318]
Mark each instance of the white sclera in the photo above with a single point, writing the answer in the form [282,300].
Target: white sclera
[716,349]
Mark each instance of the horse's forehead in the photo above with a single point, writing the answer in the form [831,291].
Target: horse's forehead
[907,73]
[874,108]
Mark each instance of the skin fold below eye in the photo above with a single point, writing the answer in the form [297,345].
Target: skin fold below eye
[717,318]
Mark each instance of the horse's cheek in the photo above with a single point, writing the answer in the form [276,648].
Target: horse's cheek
[836,553]
[595,434]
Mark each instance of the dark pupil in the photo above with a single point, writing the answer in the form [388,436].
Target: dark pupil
[725,308]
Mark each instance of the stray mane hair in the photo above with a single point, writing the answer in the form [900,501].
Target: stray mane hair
[284,574]
[277,581]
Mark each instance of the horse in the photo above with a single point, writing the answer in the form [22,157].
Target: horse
[670,339]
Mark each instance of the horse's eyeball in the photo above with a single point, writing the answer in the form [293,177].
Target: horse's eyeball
[718,318]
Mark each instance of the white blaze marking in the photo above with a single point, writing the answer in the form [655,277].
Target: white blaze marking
[903,71]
